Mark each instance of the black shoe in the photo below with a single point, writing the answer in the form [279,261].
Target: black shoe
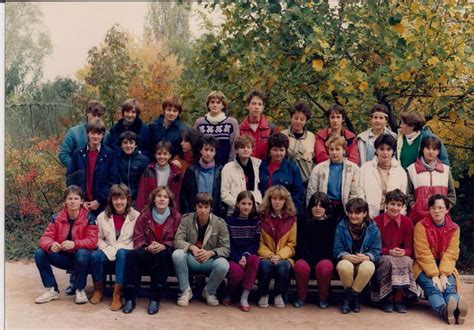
[153,307]
[70,290]
[298,303]
[355,302]
[323,304]
[129,306]
[388,307]
[400,307]
[346,308]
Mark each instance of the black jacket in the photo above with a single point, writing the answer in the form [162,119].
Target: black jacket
[130,169]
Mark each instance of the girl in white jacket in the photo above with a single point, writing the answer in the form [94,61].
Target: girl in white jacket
[381,174]
[240,174]
[116,225]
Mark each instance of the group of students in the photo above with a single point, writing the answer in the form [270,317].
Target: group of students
[256,203]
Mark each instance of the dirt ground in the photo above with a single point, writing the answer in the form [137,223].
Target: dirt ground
[23,285]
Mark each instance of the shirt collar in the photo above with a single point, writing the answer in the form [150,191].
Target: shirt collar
[98,148]
[387,220]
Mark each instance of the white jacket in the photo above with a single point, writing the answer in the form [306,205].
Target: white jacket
[107,241]
[370,185]
[367,137]
[318,181]
[233,182]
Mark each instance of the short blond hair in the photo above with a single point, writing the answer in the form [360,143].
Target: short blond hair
[337,141]
[216,95]
[278,191]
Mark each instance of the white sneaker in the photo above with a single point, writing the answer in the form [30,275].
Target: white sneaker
[278,301]
[185,297]
[48,295]
[263,301]
[211,299]
[81,297]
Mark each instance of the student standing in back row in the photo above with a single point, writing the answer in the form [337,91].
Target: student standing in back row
[256,124]
[216,123]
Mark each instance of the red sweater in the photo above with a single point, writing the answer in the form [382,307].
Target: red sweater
[395,233]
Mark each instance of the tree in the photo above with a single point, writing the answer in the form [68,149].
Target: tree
[408,55]
[111,69]
[168,21]
[157,78]
[27,43]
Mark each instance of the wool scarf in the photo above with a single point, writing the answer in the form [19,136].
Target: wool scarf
[160,218]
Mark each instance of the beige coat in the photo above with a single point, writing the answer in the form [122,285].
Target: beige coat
[233,182]
[107,241]
[302,152]
[318,181]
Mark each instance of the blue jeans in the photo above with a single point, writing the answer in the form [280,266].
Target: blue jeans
[98,259]
[280,272]
[184,263]
[78,261]
[437,298]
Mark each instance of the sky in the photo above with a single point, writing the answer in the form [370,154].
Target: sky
[76,27]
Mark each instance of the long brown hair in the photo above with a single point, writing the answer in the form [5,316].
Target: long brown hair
[151,199]
[277,191]
[117,190]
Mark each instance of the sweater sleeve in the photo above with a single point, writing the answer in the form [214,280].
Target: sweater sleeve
[423,254]
[450,256]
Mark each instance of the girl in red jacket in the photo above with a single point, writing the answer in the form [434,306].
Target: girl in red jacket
[66,244]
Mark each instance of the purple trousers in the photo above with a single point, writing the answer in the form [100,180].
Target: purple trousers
[323,271]
[246,276]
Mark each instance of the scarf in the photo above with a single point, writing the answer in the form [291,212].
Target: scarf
[431,166]
[206,166]
[357,231]
[412,137]
[160,218]
[217,119]
[248,173]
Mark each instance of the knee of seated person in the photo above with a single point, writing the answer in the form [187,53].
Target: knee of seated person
[82,255]
[40,254]
[325,267]
[121,253]
[283,267]
[344,266]
[253,260]
[367,267]
[301,266]
[221,264]
[178,254]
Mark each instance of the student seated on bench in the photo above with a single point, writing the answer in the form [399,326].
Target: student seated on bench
[153,243]
[67,243]
[116,225]
[202,244]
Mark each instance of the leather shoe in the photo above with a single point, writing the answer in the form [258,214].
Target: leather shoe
[153,307]
[129,306]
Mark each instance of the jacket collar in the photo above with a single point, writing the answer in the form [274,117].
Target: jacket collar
[135,127]
[263,124]
[324,134]
[63,216]
[420,168]
[161,120]
[305,133]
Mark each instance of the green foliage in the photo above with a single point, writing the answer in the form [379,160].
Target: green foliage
[168,22]
[407,55]
[27,43]
[111,69]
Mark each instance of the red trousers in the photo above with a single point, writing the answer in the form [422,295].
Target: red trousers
[246,275]
[323,270]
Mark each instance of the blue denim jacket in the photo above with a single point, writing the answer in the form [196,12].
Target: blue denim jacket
[371,243]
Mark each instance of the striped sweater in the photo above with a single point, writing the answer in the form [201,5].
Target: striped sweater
[244,236]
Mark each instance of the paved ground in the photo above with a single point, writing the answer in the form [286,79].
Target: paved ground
[23,285]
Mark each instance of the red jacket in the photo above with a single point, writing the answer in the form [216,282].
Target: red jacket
[321,151]
[144,232]
[84,231]
[264,131]
[148,183]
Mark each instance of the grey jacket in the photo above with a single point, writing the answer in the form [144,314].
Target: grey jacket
[216,238]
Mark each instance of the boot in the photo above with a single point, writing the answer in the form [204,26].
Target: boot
[116,298]
[346,308]
[355,302]
[98,293]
